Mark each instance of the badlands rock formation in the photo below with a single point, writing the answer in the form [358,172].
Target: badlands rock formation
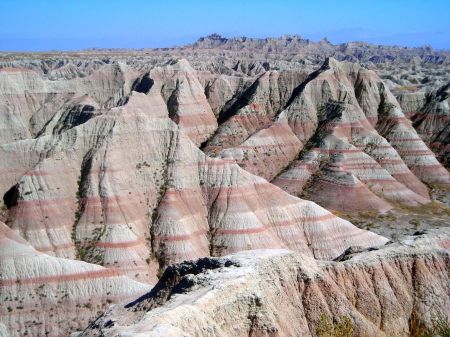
[393,291]
[80,200]
[430,114]
[115,164]
[43,295]
[359,151]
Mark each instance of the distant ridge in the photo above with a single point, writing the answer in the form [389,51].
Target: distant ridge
[287,46]
[349,51]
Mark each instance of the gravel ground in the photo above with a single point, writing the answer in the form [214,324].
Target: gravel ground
[403,221]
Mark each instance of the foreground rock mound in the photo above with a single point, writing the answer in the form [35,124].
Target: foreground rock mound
[393,291]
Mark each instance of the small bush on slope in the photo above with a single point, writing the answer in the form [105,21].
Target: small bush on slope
[440,327]
[327,328]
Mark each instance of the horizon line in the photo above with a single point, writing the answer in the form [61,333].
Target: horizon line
[181,45]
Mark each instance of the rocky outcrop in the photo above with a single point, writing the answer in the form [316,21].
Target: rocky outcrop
[42,295]
[128,190]
[123,187]
[294,44]
[393,291]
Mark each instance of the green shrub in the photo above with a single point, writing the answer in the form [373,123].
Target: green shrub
[440,327]
[325,327]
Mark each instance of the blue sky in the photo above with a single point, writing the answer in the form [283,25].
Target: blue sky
[75,24]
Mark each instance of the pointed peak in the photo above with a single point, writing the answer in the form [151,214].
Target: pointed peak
[179,64]
[331,63]
[183,63]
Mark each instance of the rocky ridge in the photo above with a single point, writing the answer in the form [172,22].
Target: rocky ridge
[393,291]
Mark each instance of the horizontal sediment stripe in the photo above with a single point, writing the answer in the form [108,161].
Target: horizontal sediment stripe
[93,274]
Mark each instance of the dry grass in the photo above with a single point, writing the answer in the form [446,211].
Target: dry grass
[408,88]
[325,327]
